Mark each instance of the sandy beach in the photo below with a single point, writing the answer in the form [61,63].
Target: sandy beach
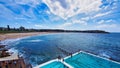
[20,35]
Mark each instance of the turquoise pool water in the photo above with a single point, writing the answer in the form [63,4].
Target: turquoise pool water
[55,64]
[84,60]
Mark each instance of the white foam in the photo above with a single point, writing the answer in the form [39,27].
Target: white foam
[36,40]
[104,55]
[8,41]
[13,50]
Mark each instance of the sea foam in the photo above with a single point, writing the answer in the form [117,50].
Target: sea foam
[36,40]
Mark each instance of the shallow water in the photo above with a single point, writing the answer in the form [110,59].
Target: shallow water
[39,49]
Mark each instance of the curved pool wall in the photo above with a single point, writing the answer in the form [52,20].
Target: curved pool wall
[53,64]
[42,48]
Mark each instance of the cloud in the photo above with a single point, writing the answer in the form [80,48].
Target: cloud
[28,2]
[101,22]
[106,26]
[55,18]
[102,14]
[48,12]
[65,25]
[38,26]
[105,21]
[110,20]
[73,22]
[73,14]
[85,18]
[79,22]
[69,8]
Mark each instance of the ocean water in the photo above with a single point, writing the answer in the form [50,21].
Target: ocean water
[42,48]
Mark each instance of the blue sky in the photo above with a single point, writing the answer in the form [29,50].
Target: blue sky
[61,14]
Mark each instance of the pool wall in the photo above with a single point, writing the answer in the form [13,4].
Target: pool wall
[46,63]
[66,64]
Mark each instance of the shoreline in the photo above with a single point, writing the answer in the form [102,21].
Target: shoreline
[21,35]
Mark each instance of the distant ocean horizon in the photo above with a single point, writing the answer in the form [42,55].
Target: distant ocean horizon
[42,48]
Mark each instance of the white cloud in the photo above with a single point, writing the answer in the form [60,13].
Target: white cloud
[105,21]
[110,20]
[106,26]
[79,22]
[55,18]
[38,26]
[67,24]
[101,22]
[102,14]
[73,22]
[48,12]
[69,8]
[28,2]
[85,18]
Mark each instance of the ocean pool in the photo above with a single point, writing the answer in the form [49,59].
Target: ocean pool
[84,60]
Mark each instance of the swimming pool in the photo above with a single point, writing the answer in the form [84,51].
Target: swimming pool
[84,60]
[55,64]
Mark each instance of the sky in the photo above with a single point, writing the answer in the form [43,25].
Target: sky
[61,14]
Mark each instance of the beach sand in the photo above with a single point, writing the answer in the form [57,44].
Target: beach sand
[20,35]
